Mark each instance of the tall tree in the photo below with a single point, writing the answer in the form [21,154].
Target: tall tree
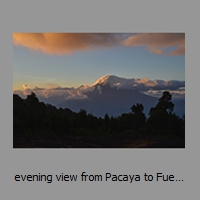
[164,104]
[162,120]
[139,117]
[138,108]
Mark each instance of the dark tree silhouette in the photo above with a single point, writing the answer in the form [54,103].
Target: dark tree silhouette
[106,123]
[162,120]
[32,98]
[138,108]
[139,117]
[164,104]
[33,119]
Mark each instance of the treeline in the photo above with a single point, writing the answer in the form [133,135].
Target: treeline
[32,118]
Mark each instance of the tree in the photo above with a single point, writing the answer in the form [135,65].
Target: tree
[106,122]
[126,122]
[138,108]
[139,117]
[162,120]
[19,116]
[164,104]
[82,119]
[32,98]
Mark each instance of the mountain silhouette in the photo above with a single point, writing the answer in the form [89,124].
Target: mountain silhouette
[114,95]
[106,100]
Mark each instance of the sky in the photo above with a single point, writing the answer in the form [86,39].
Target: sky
[66,60]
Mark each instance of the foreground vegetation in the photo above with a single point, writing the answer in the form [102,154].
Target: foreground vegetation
[40,125]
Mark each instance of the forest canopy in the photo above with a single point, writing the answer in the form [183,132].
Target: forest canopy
[32,117]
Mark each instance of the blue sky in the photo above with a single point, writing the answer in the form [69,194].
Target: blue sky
[81,60]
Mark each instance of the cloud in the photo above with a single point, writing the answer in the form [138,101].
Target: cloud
[63,93]
[140,84]
[144,85]
[176,94]
[68,43]
[24,86]
[158,42]
[65,43]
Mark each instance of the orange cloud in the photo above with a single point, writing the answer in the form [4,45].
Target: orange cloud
[156,42]
[64,43]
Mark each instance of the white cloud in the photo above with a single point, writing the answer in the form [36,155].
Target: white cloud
[64,92]
[143,85]
[176,94]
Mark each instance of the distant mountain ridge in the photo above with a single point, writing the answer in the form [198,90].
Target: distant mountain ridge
[109,101]
[111,95]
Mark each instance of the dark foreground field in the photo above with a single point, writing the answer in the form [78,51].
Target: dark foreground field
[100,141]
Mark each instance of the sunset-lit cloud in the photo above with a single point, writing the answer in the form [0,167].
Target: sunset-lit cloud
[63,93]
[68,43]
[140,84]
[65,43]
[24,86]
[158,42]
